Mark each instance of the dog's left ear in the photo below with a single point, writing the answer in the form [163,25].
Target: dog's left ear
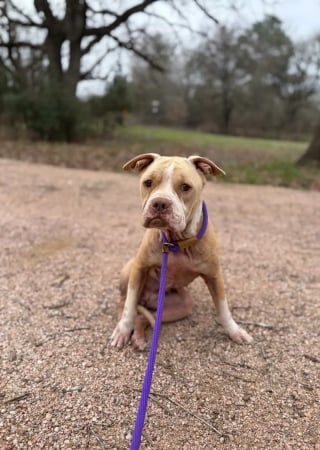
[141,162]
[206,166]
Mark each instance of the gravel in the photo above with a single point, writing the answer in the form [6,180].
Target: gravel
[65,235]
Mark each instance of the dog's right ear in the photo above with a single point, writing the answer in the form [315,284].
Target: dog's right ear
[141,162]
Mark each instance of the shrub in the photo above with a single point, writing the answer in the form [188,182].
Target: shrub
[53,114]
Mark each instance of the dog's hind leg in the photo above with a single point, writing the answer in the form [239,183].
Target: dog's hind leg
[178,305]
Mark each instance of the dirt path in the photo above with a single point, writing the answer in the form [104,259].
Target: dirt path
[64,236]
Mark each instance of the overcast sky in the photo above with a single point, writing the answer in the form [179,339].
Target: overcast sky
[301,18]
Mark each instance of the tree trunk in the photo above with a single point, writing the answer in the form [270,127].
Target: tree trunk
[75,25]
[227,110]
[69,30]
[312,154]
[53,45]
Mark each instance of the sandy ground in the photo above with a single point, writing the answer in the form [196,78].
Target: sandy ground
[64,237]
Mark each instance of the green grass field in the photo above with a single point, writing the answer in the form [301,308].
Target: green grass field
[200,140]
[245,160]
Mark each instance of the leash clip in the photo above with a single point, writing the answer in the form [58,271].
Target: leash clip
[166,246]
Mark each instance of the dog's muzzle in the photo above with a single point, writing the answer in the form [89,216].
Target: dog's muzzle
[160,212]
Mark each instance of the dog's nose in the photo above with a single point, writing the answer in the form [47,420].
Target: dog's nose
[160,204]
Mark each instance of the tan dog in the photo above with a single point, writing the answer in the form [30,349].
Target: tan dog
[171,189]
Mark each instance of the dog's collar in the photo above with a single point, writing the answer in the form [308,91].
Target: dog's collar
[181,244]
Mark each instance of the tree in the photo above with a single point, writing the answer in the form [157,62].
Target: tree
[72,42]
[3,85]
[214,77]
[312,153]
[116,102]
[264,51]
[82,29]
[158,96]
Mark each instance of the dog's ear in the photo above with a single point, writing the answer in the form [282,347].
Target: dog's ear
[141,162]
[206,166]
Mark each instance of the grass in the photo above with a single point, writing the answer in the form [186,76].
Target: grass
[200,139]
[276,173]
[245,160]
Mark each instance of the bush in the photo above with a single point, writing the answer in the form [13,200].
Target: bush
[53,114]
[48,112]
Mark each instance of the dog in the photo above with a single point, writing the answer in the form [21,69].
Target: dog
[173,214]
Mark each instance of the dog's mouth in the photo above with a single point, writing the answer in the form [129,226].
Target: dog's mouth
[167,219]
[161,222]
[155,222]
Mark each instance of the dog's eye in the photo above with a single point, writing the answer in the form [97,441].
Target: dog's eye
[185,187]
[147,183]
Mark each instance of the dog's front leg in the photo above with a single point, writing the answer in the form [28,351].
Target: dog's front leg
[234,331]
[122,333]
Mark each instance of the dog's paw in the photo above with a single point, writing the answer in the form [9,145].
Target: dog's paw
[120,336]
[138,341]
[240,336]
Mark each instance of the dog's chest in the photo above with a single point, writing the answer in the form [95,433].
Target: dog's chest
[181,270]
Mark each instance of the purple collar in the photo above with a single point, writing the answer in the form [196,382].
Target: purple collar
[176,246]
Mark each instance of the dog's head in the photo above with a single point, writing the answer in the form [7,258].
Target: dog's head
[171,188]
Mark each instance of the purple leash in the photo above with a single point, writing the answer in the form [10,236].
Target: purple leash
[137,433]
[174,247]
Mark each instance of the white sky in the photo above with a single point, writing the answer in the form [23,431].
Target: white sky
[301,18]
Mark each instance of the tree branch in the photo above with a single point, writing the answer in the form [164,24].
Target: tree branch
[205,11]
[44,7]
[174,25]
[26,24]
[122,18]
[129,46]
[179,12]
[29,21]
[102,11]
[86,75]
[20,44]
[91,44]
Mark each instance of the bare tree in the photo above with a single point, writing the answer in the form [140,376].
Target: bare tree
[84,31]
